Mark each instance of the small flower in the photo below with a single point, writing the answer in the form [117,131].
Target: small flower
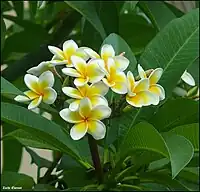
[40,90]
[187,78]
[94,92]
[138,92]
[116,80]
[154,77]
[107,51]
[83,72]
[87,120]
[64,56]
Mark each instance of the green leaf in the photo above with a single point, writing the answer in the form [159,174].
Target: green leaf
[8,88]
[5,6]
[39,161]
[3,32]
[175,112]
[133,29]
[190,174]
[174,9]
[11,148]
[19,8]
[128,6]
[87,9]
[194,71]
[190,132]
[180,150]
[32,9]
[143,136]
[120,46]
[173,49]
[40,127]
[158,13]
[27,139]
[10,179]
[44,187]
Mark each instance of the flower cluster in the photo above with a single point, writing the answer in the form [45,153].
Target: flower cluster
[93,75]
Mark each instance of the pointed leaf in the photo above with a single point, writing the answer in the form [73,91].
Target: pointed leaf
[174,49]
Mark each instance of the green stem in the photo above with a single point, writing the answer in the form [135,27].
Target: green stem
[95,158]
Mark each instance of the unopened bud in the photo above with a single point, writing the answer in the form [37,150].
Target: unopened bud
[193,91]
[180,91]
[122,54]
[127,108]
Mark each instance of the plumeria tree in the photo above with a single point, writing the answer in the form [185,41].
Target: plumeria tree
[123,112]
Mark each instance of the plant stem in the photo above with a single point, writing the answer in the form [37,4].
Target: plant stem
[48,173]
[95,157]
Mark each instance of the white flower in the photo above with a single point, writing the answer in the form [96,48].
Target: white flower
[94,92]
[40,90]
[107,51]
[187,78]
[87,120]
[70,48]
[83,72]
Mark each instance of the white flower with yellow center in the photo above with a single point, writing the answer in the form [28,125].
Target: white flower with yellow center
[138,92]
[94,92]
[83,72]
[154,77]
[64,56]
[40,90]
[87,120]
[187,78]
[107,51]
[114,79]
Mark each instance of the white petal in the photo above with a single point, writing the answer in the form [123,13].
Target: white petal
[21,98]
[59,62]
[72,92]
[79,64]
[35,103]
[31,82]
[81,53]
[94,72]
[71,72]
[97,129]
[100,112]
[91,53]
[74,105]
[141,72]
[121,62]
[70,116]
[187,78]
[80,81]
[157,90]
[78,130]
[69,48]
[98,100]
[141,85]
[46,79]
[56,51]
[49,96]
[155,76]
[107,51]
[85,107]
[130,81]
[120,88]
[99,88]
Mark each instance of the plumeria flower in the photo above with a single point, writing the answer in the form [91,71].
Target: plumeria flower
[40,90]
[114,79]
[94,92]
[187,78]
[83,72]
[87,119]
[138,92]
[107,51]
[154,77]
[64,56]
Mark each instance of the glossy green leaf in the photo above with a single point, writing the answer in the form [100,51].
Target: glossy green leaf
[36,159]
[180,151]
[190,174]
[9,179]
[173,49]
[27,139]
[190,132]
[174,9]
[8,88]
[3,32]
[174,113]
[11,149]
[87,9]
[40,127]
[19,8]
